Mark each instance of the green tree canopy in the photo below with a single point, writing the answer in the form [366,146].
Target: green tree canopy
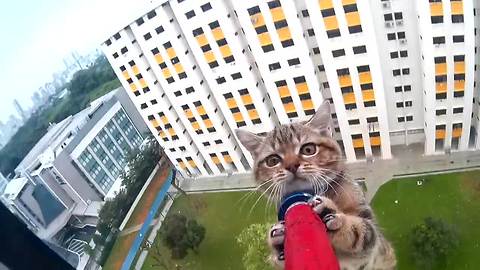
[180,235]
[253,240]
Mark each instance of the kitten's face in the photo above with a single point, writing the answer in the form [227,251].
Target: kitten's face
[294,157]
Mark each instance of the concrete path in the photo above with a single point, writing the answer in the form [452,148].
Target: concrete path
[135,228]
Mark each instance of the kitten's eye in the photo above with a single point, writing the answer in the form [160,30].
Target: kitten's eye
[308,149]
[272,160]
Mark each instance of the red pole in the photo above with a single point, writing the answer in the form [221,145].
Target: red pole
[307,246]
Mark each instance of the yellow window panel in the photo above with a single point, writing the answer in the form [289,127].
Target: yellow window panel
[247,99]
[159,58]
[178,68]
[357,143]
[218,33]
[166,73]
[195,125]
[209,56]
[227,158]
[283,91]
[253,114]
[353,18]
[302,88]
[325,4]
[375,141]
[440,88]
[441,69]
[154,122]
[202,40]
[457,7]
[264,39]
[231,103]
[164,120]
[135,70]
[257,20]
[192,163]
[459,85]
[215,160]
[133,87]
[238,117]
[331,23]
[142,82]
[188,113]
[277,14]
[440,134]
[348,2]
[225,50]
[284,33]
[456,132]
[171,53]
[307,104]
[459,67]
[349,98]
[171,132]
[201,110]
[208,123]
[125,75]
[436,9]
[345,81]
[365,77]
[368,95]
[289,107]
[162,134]
[182,165]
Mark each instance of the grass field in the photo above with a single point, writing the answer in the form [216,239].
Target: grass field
[455,198]
[224,217]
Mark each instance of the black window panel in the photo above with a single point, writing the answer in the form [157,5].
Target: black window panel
[199,131]
[213,64]
[364,68]
[274,4]
[162,65]
[137,93]
[253,10]
[292,115]
[458,110]
[249,106]
[328,12]
[143,106]
[310,32]
[441,78]
[256,121]
[117,36]
[441,96]
[438,40]
[281,83]
[218,141]
[139,21]
[190,14]
[177,93]
[333,33]
[151,14]
[300,79]
[167,45]
[459,77]
[122,68]
[440,59]
[321,67]
[343,72]
[243,91]
[185,107]
[236,76]
[374,134]
[189,90]
[440,127]
[108,42]
[147,36]
[293,62]
[441,112]
[354,122]
[388,17]
[287,43]
[457,18]
[211,129]
[403,53]
[286,100]
[359,49]
[168,126]
[398,89]
[281,24]
[124,50]
[391,36]
[399,104]
[221,42]
[396,72]
[261,29]
[267,48]
[348,89]
[305,96]
[407,88]
[175,60]
[146,89]
[274,66]
[151,117]
[197,103]
[131,63]
[206,48]
[369,103]
[197,32]
[356,136]
[405,71]
[401,35]
[398,15]
[214,25]
[241,124]
[221,80]
[170,80]
[366,86]
[458,39]
[338,53]
[229,59]
[350,106]
[459,58]
[227,95]
[206,7]
[394,55]
[175,137]
[305,13]
[355,29]
[372,119]
[437,19]
[182,75]
[130,80]
[316,50]
[350,8]
[139,76]
[155,51]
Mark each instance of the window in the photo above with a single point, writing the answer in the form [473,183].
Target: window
[396,72]
[221,80]
[189,90]
[359,49]
[143,106]
[403,53]
[159,29]
[153,101]
[407,88]
[399,104]
[441,112]
[305,13]
[398,89]
[408,103]
[108,42]
[409,118]
[388,17]
[117,36]
[190,14]
[391,36]
[333,33]
[274,66]
[437,19]
[438,40]
[401,119]
[458,93]
[338,53]
[316,50]
[206,7]
[293,62]
[354,122]
[441,96]
[457,18]
[394,55]
[405,71]
[401,35]
[458,39]
[124,50]
[310,32]
[151,14]
[147,36]
[177,93]
[236,76]
[398,16]
[140,21]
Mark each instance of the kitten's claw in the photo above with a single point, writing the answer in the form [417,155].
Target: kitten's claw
[323,206]
[333,222]
[276,236]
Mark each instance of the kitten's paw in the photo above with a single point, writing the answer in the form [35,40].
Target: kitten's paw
[323,206]
[276,236]
[334,222]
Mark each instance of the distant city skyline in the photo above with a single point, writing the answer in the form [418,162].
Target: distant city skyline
[42,34]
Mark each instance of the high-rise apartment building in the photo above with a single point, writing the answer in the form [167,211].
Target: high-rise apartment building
[395,72]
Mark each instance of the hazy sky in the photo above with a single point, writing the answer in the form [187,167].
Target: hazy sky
[37,35]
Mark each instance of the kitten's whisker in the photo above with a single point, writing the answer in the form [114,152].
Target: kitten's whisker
[259,197]
[245,197]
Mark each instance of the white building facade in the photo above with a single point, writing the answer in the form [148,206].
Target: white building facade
[395,72]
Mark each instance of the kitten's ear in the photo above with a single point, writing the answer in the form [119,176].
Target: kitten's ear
[250,140]
[320,121]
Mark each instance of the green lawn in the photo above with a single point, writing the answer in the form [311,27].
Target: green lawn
[224,216]
[453,197]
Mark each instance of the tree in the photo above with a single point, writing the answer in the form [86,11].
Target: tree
[253,240]
[432,241]
[180,235]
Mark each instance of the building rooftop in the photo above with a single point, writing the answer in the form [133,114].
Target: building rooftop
[14,187]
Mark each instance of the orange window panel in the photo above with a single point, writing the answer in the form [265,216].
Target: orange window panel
[345,81]
[357,143]
[247,99]
[436,9]
[188,113]
[201,110]
[348,2]
[142,82]
[365,77]
[135,70]
[441,68]
[225,50]
[440,88]
[440,134]
[209,56]
[257,20]
[375,141]
[202,40]
[284,33]
[192,163]
[253,114]
[231,103]
[277,14]
[154,122]
[349,98]
[325,4]
[238,117]
[195,125]
[331,23]
[182,165]
[353,18]
[159,58]
[166,73]
[171,53]
[215,160]
[302,88]
[456,132]
[171,132]
[164,120]
[126,75]
[264,39]
[133,87]
[459,85]
[283,91]
[459,67]
[208,123]
[307,104]
[368,95]
[178,68]
[227,158]
[289,107]
[162,134]
[218,33]
[457,7]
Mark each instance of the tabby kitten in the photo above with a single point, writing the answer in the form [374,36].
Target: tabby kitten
[304,156]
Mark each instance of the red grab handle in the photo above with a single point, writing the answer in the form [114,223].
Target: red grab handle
[307,246]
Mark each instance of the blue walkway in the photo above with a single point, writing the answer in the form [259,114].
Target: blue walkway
[143,231]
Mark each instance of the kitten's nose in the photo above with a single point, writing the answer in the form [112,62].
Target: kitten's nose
[293,167]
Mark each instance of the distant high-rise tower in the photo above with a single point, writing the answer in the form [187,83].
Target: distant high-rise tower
[20,111]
